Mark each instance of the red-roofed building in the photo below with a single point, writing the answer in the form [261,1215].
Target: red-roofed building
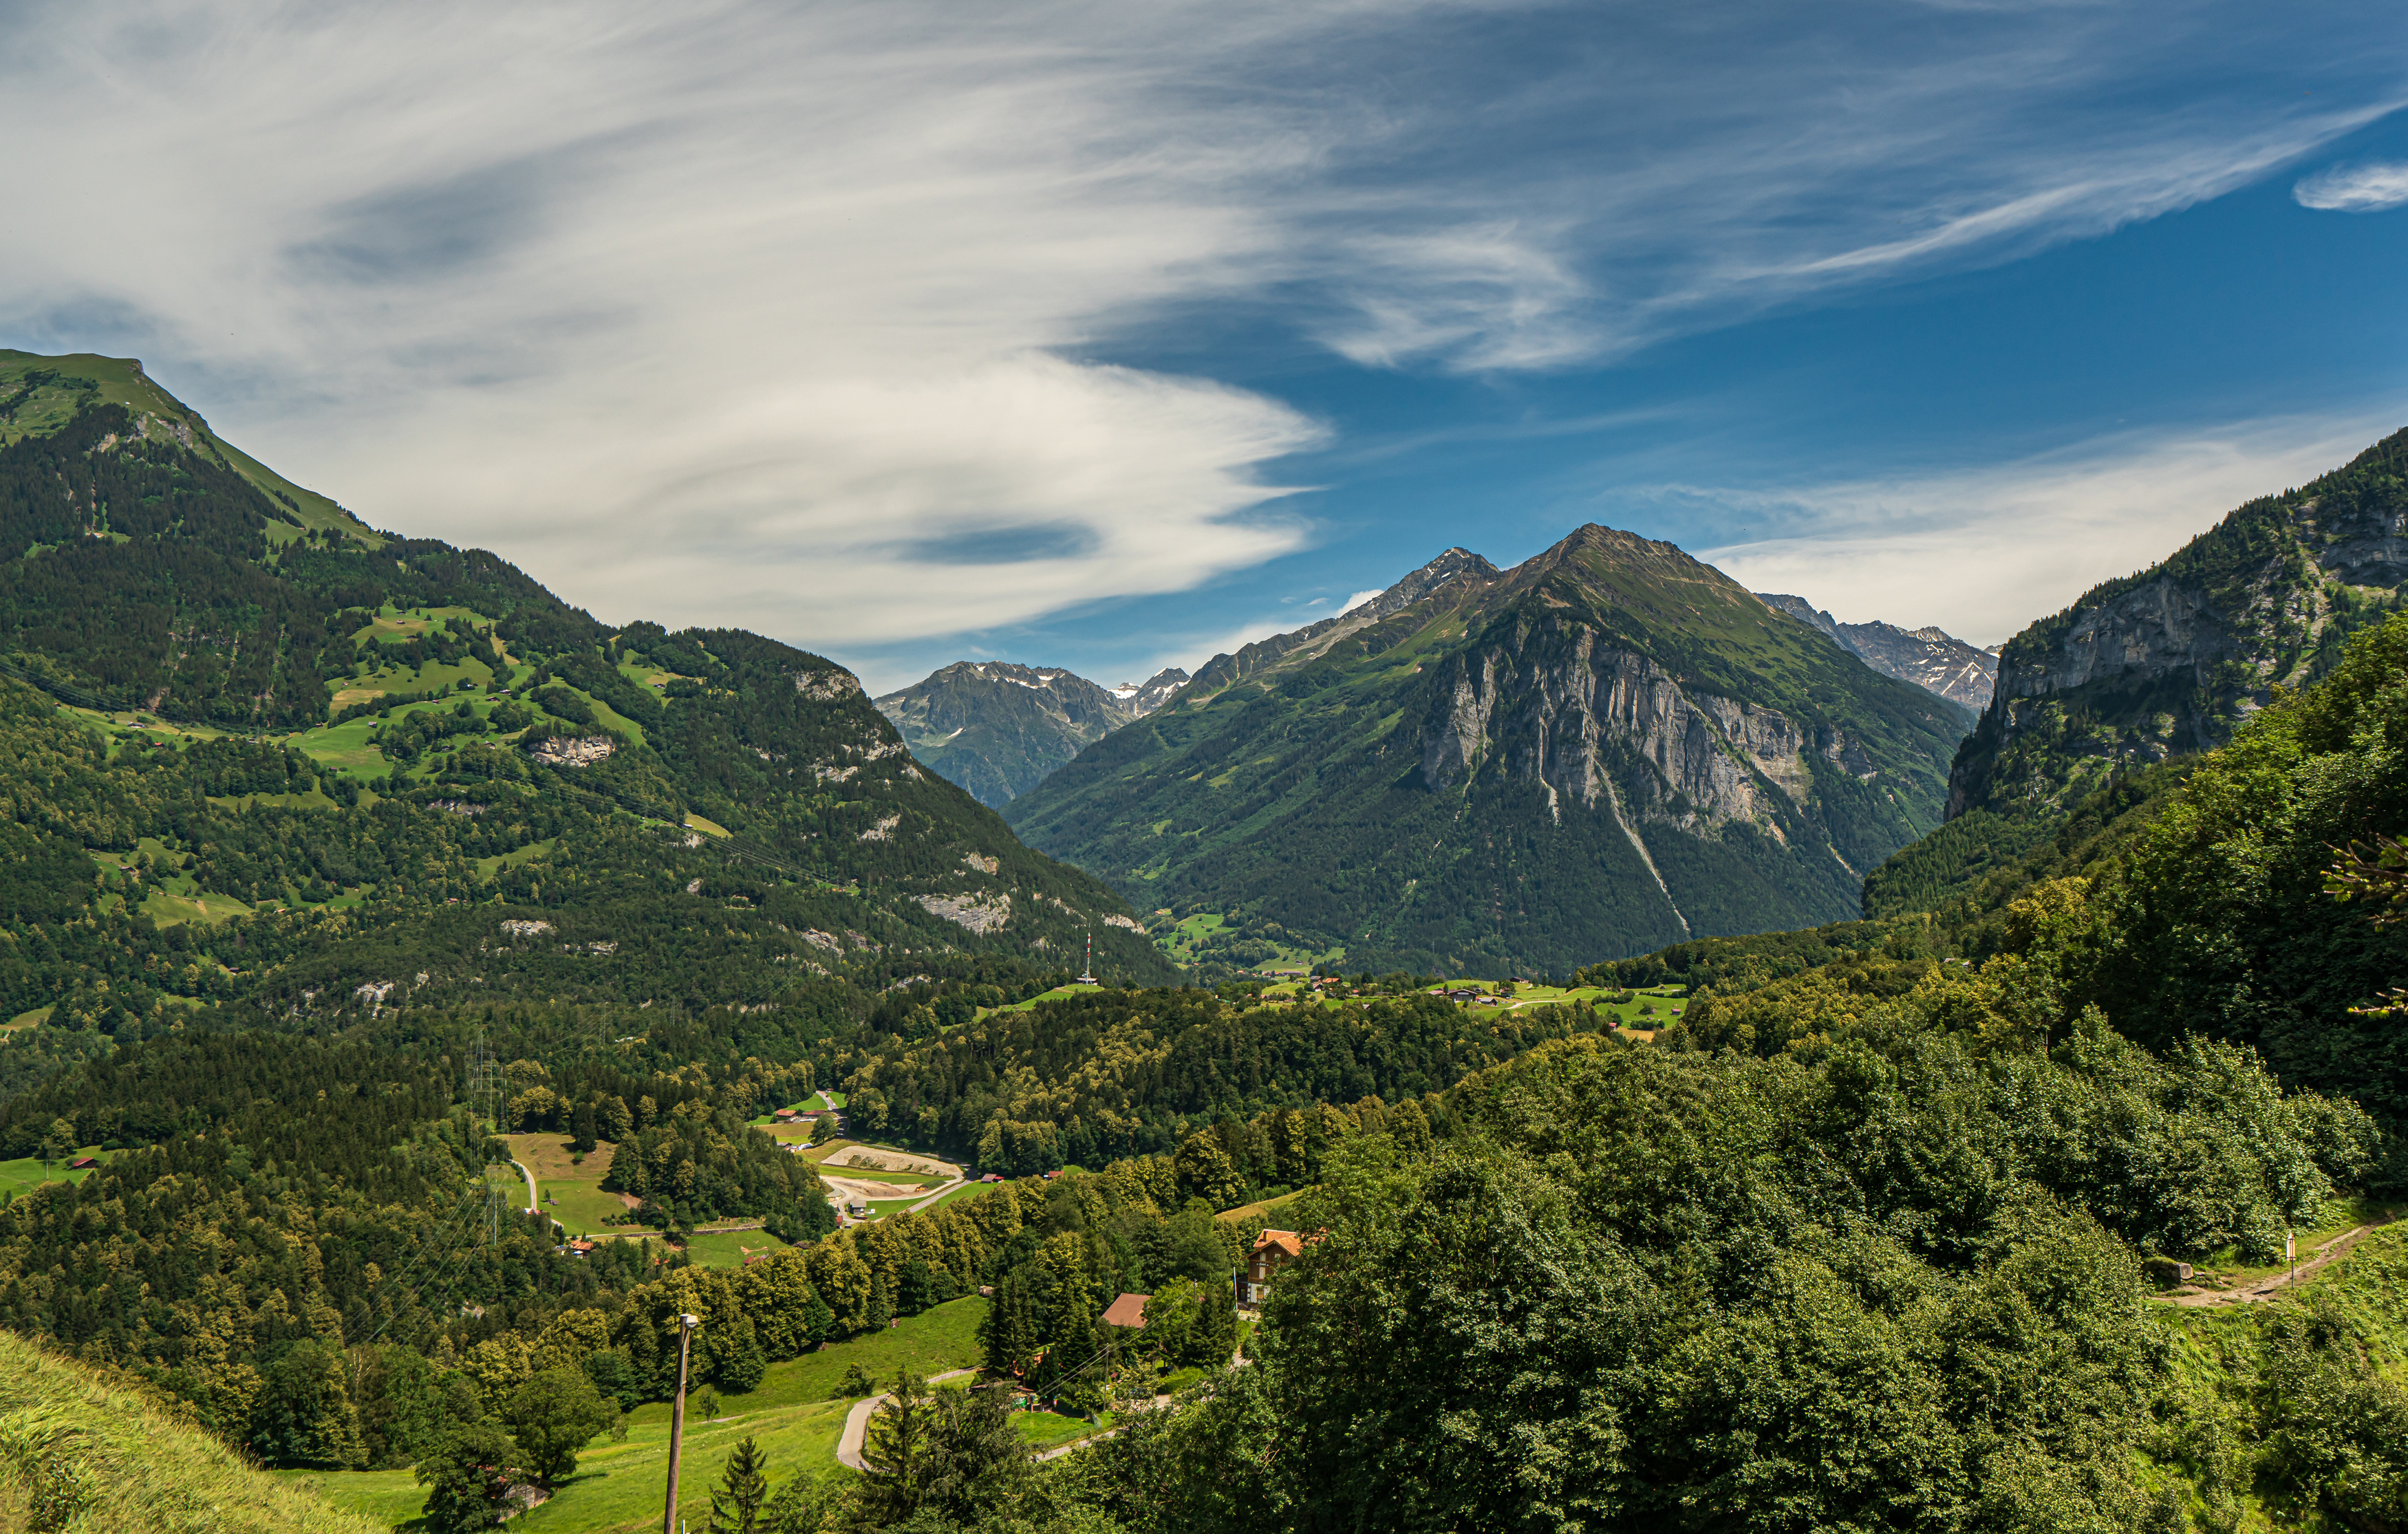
[1128,1311]
[1273,1250]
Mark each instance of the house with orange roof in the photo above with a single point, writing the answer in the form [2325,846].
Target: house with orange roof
[1273,1250]
[1127,1312]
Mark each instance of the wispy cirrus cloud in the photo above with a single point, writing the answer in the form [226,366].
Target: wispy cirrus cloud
[818,319]
[1981,551]
[2355,189]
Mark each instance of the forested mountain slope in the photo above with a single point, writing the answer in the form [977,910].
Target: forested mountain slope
[2172,659]
[998,728]
[369,753]
[1605,749]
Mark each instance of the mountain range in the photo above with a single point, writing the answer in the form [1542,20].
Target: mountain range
[998,728]
[1930,658]
[1608,748]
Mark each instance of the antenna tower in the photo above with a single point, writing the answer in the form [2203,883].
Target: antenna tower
[1087,976]
[483,1091]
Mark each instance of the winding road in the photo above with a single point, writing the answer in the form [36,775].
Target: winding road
[530,1182]
[856,1422]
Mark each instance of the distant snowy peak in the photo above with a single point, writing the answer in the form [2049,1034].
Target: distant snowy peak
[997,728]
[1143,698]
[1930,658]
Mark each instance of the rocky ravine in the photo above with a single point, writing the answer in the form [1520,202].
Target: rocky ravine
[2172,659]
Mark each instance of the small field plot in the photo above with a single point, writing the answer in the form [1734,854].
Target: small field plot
[1051,1430]
[728,1249]
[567,1190]
[27,1173]
[1261,1211]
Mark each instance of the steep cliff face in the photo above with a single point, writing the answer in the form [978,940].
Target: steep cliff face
[2172,659]
[1601,750]
[1929,657]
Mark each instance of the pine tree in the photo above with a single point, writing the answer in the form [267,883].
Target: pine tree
[895,1454]
[1010,1329]
[881,1304]
[743,1487]
[1215,1337]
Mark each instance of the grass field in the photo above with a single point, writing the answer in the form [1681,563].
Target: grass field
[566,1189]
[1051,1430]
[1054,995]
[27,1173]
[1262,1209]
[706,1250]
[617,1487]
[149,1469]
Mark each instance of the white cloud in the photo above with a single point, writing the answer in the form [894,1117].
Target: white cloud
[2355,189]
[1983,552]
[1359,598]
[783,316]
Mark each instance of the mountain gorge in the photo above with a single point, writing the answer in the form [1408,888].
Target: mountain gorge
[998,728]
[1608,748]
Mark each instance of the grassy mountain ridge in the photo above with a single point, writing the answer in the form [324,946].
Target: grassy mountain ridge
[427,733]
[1603,750]
[110,1457]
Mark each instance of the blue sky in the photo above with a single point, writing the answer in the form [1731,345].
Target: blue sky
[1109,337]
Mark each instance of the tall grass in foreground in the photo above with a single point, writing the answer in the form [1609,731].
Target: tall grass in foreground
[78,1452]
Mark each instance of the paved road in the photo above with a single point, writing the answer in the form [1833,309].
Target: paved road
[530,1182]
[934,1196]
[856,1422]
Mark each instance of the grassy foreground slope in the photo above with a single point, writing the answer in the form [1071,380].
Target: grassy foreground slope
[72,1443]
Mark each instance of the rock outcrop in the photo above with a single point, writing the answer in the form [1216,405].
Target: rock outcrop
[2172,659]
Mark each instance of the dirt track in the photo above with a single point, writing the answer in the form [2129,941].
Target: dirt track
[2268,1288]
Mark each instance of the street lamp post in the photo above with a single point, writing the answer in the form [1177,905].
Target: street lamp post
[686,1324]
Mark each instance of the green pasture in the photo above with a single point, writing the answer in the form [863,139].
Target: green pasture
[726,1249]
[27,1173]
[581,1207]
[795,1416]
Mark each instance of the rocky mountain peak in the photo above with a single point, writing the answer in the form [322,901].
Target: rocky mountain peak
[1142,697]
[1454,566]
[2170,660]
[1930,658]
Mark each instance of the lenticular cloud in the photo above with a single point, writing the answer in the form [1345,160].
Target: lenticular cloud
[2355,189]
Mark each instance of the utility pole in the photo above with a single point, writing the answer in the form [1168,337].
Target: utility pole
[686,1324]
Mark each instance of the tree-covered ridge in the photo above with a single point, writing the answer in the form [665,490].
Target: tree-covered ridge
[1575,759]
[1108,1075]
[2172,659]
